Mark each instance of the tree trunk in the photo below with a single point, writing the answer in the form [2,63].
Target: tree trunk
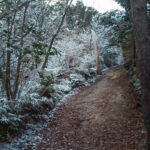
[134,54]
[55,35]
[7,81]
[8,59]
[98,65]
[142,40]
[16,83]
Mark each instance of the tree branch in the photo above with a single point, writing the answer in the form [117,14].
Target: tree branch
[16,9]
[55,35]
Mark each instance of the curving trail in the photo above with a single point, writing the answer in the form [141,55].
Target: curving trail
[102,116]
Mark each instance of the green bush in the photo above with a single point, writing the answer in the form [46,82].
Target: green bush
[33,110]
[47,86]
[10,122]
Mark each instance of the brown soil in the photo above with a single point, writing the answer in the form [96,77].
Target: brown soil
[102,116]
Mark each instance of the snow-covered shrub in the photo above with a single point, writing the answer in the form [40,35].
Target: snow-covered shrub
[77,80]
[10,121]
[34,109]
[64,86]
[85,73]
[47,85]
[61,87]
[87,67]
[39,86]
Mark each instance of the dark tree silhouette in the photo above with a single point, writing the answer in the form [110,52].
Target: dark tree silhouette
[142,40]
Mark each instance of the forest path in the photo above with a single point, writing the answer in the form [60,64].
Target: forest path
[102,116]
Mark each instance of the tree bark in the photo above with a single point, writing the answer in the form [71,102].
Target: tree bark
[16,83]
[98,65]
[8,59]
[7,81]
[134,54]
[142,40]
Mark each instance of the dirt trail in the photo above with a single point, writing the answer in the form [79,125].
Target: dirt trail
[102,116]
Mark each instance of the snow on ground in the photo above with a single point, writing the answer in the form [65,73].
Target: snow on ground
[29,138]
[66,74]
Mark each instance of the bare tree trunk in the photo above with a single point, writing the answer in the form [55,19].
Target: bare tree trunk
[7,81]
[142,40]
[98,65]
[8,59]
[55,35]
[16,83]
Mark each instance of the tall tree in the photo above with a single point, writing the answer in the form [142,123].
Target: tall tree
[68,3]
[142,40]
[16,83]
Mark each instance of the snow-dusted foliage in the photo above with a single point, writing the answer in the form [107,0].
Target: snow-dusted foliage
[10,120]
[64,72]
[111,54]
[29,89]
[118,31]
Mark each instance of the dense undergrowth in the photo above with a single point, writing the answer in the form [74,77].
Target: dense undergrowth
[71,62]
[38,101]
[40,95]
